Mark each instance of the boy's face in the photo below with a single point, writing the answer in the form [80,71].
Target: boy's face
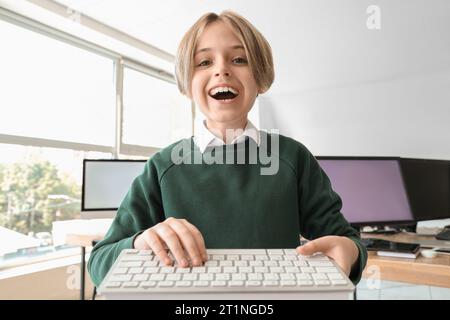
[223,63]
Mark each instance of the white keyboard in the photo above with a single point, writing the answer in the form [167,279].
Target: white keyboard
[227,274]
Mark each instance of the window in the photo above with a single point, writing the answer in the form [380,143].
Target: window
[38,186]
[155,113]
[58,107]
[53,90]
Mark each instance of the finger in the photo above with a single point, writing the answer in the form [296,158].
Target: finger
[154,242]
[187,240]
[198,237]
[322,244]
[170,237]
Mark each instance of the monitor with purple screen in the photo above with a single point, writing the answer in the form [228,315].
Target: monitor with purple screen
[372,190]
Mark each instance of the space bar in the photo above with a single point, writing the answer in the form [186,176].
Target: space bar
[236,251]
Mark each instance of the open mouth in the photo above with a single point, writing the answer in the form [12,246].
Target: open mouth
[223,94]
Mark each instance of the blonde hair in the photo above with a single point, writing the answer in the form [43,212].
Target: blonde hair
[257,49]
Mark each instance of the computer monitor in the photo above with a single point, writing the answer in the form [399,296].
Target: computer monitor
[428,185]
[105,184]
[371,188]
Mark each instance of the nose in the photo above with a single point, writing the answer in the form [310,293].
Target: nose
[222,69]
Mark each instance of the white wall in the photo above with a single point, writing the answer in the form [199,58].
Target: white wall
[408,116]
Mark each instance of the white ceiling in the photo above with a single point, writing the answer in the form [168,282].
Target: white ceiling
[316,44]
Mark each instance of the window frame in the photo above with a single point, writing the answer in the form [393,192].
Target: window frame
[120,61]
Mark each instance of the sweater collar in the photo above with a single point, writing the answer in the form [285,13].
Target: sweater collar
[205,138]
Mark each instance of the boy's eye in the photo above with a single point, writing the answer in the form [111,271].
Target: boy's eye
[204,63]
[240,60]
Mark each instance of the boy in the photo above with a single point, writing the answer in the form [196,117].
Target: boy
[222,64]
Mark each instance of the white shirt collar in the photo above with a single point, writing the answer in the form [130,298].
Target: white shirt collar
[204,138]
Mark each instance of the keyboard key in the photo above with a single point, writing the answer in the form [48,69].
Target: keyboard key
[276,257]
[303,276]
[211,263]
[286,263]
[275,251]
[290,252]
[236,283]
[255,276]
[145,252]
[230,269]
[131,284]
[319,276]
[129,264]
[131,251]
[218,283]
[173,277]
[214,270]
[131,258]
[253,283]
[223,276]
[270,263]
[339,282]
[201,283]
[255,264]
[322,282]
[120,277]
[290,258]
[238,276]
[151,270]
[120,271]
[198,270]
[150,263]
[157,277]
[292,269]
[136,270]
[276,270]
[247,257]
[300,263]
[270,283]
[183,284]
[165,284]
[113,284]
[217,257]
[288,283]
[167,270]
[206,277]
[140,277]
[321,263]
[240,263]
[271,276]
[233,257]
[326,269]
[148,284]
[335,276]
[245,269]
[305,283]
[287,276]
[190,276]
[182,270]
[307,269]
[261,270]
[226,263]
[261,257]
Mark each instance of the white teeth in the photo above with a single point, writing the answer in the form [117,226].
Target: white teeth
[222,89]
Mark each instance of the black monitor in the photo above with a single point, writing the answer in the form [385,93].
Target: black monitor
[105,184]
[372,190]
[428,185]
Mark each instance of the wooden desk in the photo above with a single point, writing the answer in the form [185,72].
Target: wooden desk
[424,271]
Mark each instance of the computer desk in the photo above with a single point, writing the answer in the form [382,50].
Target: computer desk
[423,271]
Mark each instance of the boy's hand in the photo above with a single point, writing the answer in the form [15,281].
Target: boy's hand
[341,249]
[180,236]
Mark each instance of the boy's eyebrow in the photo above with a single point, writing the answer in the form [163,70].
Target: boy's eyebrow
[209,49]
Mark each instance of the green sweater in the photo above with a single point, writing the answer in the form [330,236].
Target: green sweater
[233,205]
